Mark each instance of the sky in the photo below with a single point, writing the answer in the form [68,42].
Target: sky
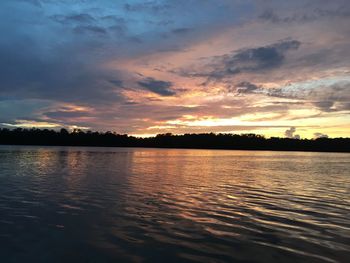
[270,67]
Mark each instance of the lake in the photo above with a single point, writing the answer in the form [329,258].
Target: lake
[76,204]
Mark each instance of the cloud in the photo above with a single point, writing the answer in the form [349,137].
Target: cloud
[327,94]
[246,87]
[254,59]
[159,87]
[324,105]
[151,6]
[290,133]
[305,14]
[66,114]
[248,60]
[116,82]
[28,73]
[182,30]
[318,135]
[77,18]
[32,2]
[90,29]
[292,59]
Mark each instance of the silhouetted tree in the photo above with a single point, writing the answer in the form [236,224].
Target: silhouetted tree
[78,137]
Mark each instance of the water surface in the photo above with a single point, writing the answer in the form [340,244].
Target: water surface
[65,204]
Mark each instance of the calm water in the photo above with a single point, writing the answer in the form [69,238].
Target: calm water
[61,204]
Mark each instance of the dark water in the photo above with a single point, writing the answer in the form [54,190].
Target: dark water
[159,205]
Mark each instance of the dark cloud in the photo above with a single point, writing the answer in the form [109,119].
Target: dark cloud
[324,105]
[246,87]
[78,18]
[90,29]
[27,73]
[159,87]
[65,114]
[12,109]
[249,60]
[32,2]
[150,6]
[85,23]
[116,82]
[287,103]
[174,48]
[114,19]
[135,40]
[255,59]
[181,31]
[308,15]
[270,15]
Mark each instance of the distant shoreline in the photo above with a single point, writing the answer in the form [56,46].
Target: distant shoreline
[210,141]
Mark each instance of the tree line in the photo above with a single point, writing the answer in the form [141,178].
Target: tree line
[64,137]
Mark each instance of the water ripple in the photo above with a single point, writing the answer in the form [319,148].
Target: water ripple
[102,205]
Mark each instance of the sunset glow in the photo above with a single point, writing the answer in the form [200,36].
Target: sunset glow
[134,67]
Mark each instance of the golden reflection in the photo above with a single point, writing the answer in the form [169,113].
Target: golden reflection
[42,160]
[222,182]
[187,178]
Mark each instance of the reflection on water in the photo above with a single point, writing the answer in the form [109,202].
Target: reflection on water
[106,205]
